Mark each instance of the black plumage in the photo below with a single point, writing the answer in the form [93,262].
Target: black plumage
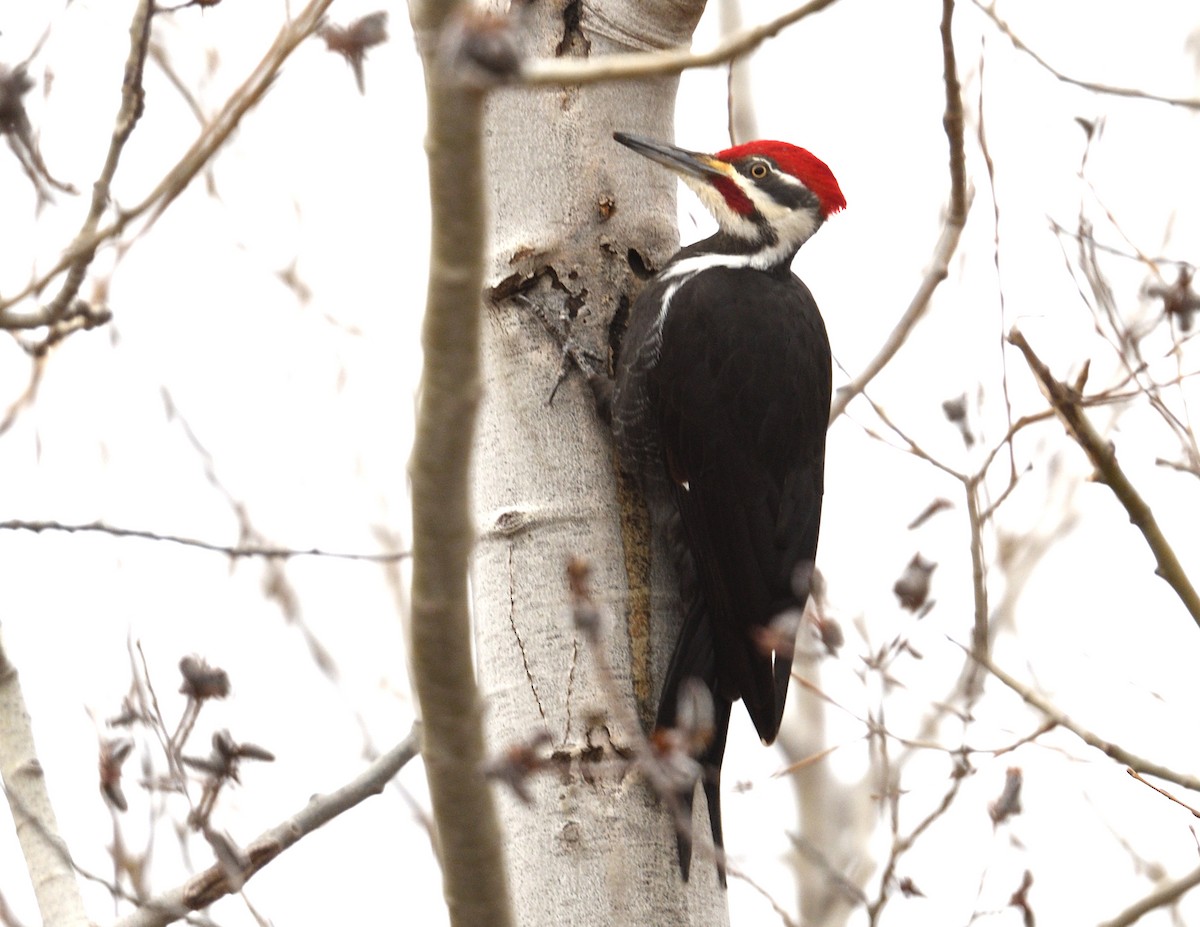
[724,413]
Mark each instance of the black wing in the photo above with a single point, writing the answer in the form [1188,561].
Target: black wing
[721,410]
[741,391]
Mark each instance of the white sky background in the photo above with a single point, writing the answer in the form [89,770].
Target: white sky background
[305,409]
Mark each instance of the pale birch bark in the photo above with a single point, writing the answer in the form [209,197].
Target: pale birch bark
[46,855]
[595,847]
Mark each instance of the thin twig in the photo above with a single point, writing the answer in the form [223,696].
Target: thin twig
[990,11]
[1163,792]
[1066,404]
[990,164]
[901,845]
[235,551]
[1126,339]
[1117,752]
[36,369]
[784,917]
[911,445]
[816,855]
[1157,260]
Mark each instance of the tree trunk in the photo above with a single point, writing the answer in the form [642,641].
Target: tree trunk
[569,209]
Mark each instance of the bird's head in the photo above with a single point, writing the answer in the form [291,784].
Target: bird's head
[770,196]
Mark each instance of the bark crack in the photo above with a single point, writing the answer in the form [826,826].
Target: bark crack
[512,621]
[571,686]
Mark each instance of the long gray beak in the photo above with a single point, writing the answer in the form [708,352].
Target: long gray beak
[679,160]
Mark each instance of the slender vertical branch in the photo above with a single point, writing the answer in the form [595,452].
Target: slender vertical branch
[132,103]
[468,829]
[952,118]
[952,227]
[743,121]
[980,632]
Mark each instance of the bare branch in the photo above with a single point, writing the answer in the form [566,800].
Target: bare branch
[990,164]
[7,917]
[784,917]
[216,882]
[1151,260]
[211,138]
[1066,404]
[952,118]
[235,551]
[910,445]
[952,227]
[739,103]
[558,71]
[79,255]
[990,11]
[902,844]
[981,628]
[276,584]
[1159,898]
[1117,752]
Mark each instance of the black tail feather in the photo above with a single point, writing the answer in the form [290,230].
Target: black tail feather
[693,658]
[710,763]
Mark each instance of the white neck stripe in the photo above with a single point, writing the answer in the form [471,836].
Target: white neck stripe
[755,260]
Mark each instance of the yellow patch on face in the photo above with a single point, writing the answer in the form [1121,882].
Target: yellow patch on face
[723,166]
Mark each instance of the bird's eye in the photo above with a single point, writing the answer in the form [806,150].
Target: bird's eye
[758,170]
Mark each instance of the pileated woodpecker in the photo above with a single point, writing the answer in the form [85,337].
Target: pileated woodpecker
[720,409]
